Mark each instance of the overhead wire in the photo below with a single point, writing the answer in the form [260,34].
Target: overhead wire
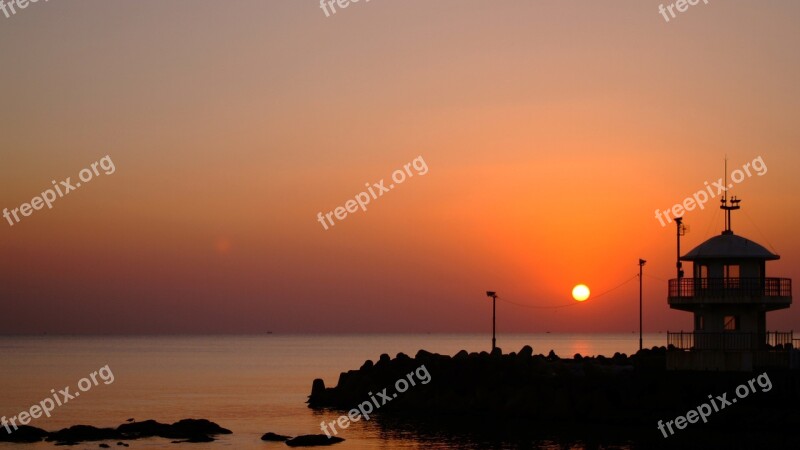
[760,233]
[566,305]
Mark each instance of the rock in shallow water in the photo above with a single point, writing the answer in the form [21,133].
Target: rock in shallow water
[272,437]
[196,439]
[189,430]
[83,433]
[313,440]
[25,434]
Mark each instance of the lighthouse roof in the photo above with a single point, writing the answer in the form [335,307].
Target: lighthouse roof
[729,246]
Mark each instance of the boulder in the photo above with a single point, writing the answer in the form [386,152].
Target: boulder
[198,439]
[318,387]
[272,437]
[148,428]
[24,434]
[83,433]
[313,440]
[193,428]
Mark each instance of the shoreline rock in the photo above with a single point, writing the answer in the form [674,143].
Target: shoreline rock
[273,437]
[186,430]
[313,440]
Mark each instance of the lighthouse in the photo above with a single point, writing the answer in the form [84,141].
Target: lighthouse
[729,294]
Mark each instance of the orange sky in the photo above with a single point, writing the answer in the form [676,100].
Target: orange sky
[551,130]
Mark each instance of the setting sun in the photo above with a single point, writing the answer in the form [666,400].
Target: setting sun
[580,292]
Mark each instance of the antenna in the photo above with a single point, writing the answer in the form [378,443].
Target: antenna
[725,194]
[734,202]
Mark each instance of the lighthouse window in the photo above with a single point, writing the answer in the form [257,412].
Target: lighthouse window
[731,323]
[732,276]
[701,324]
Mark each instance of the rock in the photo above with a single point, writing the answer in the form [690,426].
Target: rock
[272,437]
[83,433]
[620,358]
[185,429]
[148,428]
[312,440]
[188,430]
[104,446]
[318,387]
[196,440]
[24,434]
[192,428]
[423,355]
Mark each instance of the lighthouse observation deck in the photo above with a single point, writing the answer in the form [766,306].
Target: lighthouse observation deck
[770,292]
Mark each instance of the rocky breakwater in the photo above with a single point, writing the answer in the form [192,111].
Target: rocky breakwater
[634,390]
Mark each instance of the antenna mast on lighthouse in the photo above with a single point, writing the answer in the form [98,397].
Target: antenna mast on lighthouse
[724,206]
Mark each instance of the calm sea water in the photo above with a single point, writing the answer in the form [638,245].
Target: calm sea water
[248,384]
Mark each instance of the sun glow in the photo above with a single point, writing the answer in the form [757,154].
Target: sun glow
[580,292]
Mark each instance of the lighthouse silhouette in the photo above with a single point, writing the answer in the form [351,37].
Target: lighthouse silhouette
[729,294]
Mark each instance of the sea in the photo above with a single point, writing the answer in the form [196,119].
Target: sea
[249,384]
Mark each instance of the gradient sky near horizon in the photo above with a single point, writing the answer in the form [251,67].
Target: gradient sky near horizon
[552,131]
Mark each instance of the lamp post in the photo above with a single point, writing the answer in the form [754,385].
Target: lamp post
[641,265]
[493,295]
[681,230]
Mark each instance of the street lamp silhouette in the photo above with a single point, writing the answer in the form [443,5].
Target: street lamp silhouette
[493,295]
[641,265]
[681,231]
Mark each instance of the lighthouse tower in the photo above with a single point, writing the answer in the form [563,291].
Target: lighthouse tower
[729,294]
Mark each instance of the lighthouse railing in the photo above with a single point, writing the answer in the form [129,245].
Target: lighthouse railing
[730,340]
[729,289]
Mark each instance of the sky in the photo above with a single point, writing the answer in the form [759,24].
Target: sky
[549,133]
